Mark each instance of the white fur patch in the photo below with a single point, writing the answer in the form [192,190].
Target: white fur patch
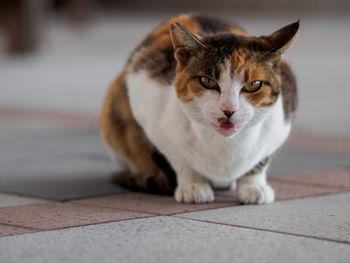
[255,194]
[190,143]
[253,189]
[194,193]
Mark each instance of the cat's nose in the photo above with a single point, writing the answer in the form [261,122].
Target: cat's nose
[228,114]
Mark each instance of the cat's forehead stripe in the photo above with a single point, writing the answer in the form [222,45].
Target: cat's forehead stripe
[237,62]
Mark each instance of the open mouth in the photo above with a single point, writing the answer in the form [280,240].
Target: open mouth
[225,128]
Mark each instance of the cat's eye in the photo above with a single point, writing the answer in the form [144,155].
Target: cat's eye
[252,86]
[208,83]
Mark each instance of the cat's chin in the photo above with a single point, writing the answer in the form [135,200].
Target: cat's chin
[226,129]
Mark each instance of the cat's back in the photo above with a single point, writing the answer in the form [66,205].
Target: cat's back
[155,53]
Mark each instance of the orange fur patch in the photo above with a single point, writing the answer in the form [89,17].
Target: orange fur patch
[187,88]
[195,88]
[238,31]
[122,133]
[238,61]
[267,95]
[256,73]
[261,97]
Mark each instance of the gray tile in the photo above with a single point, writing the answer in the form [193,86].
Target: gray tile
[23,143]
[60,164]
[7,200]
[292,161]
[166,239]
[323,217]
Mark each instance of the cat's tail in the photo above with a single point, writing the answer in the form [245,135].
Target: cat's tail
[150,183]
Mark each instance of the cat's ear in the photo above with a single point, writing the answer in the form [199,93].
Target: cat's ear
[184,43]
[278,42]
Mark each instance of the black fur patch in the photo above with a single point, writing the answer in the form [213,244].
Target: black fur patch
[258,168]
[165,166]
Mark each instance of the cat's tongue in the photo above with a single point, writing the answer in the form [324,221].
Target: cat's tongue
[227,125]
[225,128]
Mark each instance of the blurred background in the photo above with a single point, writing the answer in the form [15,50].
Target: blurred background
[60,55]
[57,58]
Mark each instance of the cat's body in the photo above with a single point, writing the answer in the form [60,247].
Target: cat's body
[166,125]
[210,133]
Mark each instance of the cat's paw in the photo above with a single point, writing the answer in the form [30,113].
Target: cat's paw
[194,193]
[255,194]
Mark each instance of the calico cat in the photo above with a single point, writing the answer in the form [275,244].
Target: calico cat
[201,100]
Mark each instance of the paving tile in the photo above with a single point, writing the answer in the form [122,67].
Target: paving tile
[167,239]
[6,230]
[60,164]
[322,217]
[291,190]
[155,204]
[288,161]
[226,196]
[285,190]
[316,143]
[51,117]
[8,200]
[333,178]
[61,215]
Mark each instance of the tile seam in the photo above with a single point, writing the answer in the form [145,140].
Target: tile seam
[27,196]
[68,227]
[20,226]
[288,181]
[114,208]
[153,213]
[266,230]
[98,223]
[199,210]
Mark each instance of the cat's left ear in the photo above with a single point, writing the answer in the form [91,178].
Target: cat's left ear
[184,42]
[279,41]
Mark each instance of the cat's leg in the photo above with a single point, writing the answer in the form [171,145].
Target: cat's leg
[252,188]
[192,187]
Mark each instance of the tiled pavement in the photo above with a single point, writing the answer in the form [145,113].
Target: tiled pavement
[59,204]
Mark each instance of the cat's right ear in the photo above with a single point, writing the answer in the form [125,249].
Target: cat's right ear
[184,43]
[278,42]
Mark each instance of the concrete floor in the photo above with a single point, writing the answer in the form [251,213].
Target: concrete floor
[287,231]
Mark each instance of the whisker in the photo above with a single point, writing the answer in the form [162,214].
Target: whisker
[269,51]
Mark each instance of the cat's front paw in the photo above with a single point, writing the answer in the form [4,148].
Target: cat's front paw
[255,193]
[194,193]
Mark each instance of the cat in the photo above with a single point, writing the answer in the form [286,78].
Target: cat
[201,100]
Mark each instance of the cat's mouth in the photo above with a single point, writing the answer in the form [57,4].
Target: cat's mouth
[225,128]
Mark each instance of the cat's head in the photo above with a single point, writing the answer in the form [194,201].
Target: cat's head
[228,81]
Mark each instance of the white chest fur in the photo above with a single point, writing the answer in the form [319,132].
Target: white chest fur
[158,111]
